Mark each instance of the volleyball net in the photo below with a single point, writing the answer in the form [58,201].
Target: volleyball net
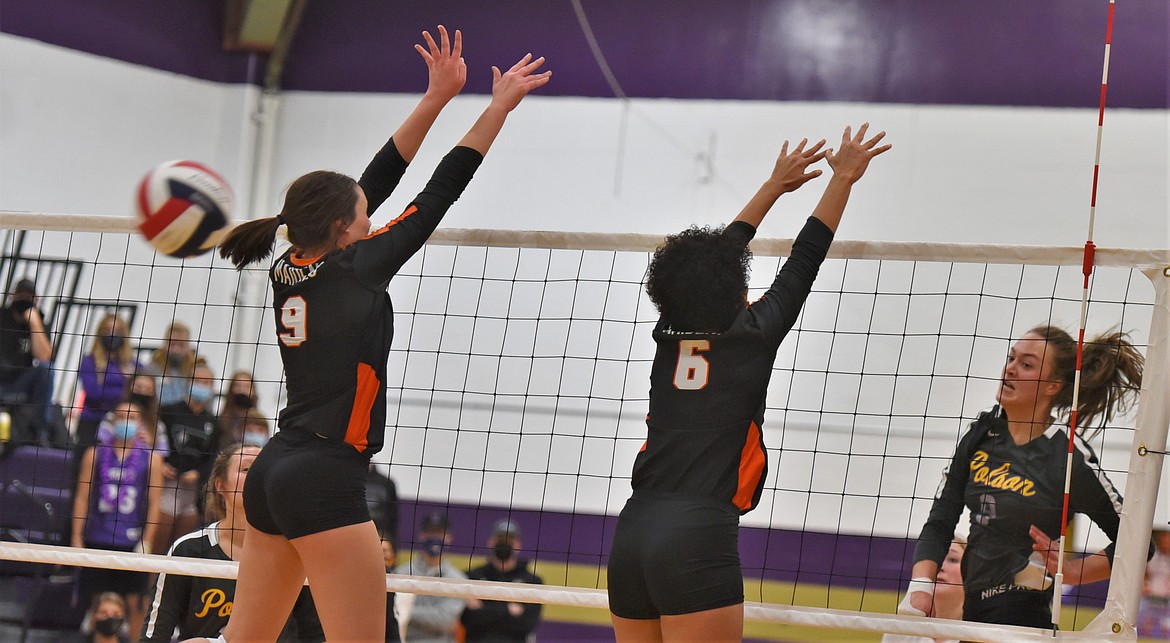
[518,389]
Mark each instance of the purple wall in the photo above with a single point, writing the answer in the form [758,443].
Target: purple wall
[861,562]
[974,52]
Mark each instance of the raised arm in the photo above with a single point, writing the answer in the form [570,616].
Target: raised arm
[447,73]
[787,176]
[508,89]
[849,163]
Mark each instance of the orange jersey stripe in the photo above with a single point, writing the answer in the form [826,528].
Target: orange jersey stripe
[363,400]
[409,211]
[751,467]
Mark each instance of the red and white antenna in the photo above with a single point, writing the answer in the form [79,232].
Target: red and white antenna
[1087,269]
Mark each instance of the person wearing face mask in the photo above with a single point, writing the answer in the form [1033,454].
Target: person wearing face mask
[497,621]
[173,363]
[193,433]
[433,619]
[239,400]
[106,620]
[26,378]
[256,431]
[116,506]
[144,392]
[105,375]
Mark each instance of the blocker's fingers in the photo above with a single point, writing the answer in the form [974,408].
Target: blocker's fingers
[520,63]
[431,43]
[800,148]
[874,141]
[816,148]
[444,40]
[457,51]
[861,132]
[784,148]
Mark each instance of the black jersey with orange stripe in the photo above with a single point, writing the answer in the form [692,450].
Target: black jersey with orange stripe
[334,318]
[707,390]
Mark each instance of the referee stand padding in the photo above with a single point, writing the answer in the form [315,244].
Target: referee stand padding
[567,596]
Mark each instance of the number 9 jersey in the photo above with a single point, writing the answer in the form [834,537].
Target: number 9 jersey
[334,318]
[707,390]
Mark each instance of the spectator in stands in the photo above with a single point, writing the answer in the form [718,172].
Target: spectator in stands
[239,398]
[194,437]
[1154,613]
[116,506]
[173,363]
[105,622]
[498,621]
[382,499]
[26,376]
[199,607]
[144,391]
[105,375]
[433,619]
[256,429]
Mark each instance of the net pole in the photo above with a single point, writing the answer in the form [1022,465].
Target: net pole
[1087,269]
[1145,473]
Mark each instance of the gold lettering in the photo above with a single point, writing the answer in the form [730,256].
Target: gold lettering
[226,610]
[211,598]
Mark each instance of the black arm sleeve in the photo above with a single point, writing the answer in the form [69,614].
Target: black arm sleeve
[379,256]
[167,607]
[939,530]
[741,230]
[382,175]
[776,312]
[1093,494]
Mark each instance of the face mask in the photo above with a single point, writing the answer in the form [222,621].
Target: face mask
[176,359]
[107,626]
[111,342]
[503,551]
[241,400]
[144,400]
[433,546]
[125,430]
[201,393]
[255,439]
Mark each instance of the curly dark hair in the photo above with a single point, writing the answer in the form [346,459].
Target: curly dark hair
[698,279]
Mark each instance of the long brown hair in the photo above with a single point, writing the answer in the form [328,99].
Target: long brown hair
[214,503]
[312,206]
[1111,373]
[123,356]
[159,357]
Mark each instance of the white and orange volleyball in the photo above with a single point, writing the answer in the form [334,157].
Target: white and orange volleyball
[184,208]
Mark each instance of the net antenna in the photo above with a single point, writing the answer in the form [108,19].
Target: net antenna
[1087,268]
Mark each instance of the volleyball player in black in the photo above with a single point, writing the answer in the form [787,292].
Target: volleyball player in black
[305,494]
[1009,469]
[674,571]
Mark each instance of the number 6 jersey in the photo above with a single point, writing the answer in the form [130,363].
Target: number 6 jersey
[707,390]
[334,319]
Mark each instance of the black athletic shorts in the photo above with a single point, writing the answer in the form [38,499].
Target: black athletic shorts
[1009,605]
[303,484]
[674,554]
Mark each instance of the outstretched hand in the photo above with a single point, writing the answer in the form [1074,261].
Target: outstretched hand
[789,172]
[510,87]
[1046,547]
[445,64]
[851,159]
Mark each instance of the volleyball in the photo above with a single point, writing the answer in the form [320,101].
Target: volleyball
[184,208]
